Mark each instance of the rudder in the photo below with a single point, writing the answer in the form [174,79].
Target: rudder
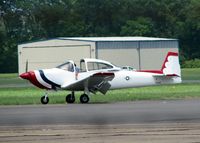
[171,66]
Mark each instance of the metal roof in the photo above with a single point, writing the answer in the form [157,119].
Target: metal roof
[96,39]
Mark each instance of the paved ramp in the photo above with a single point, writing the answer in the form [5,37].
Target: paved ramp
[143,121]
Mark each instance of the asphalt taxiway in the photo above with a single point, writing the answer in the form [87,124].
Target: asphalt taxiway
[114,113]
[140,121]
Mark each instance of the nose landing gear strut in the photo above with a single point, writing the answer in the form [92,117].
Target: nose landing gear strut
[70,98]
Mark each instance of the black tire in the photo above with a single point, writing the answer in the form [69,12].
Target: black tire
[70,98]
[44,100]
[84,98]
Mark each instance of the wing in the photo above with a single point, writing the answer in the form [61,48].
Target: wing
[95,82]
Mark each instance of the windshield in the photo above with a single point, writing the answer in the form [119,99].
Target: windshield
[68,66]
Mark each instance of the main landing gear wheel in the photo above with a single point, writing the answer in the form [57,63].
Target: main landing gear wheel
[70,98]
[84,98]
[44,99]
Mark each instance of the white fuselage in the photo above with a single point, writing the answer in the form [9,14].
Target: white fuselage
[122,78]
[66,76]
[129,79]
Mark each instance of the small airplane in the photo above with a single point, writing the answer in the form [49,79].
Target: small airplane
[97,75]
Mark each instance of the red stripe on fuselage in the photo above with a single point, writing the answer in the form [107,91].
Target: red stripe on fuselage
[34,80]
[151,71]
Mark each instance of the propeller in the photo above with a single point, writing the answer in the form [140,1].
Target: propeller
[26,66]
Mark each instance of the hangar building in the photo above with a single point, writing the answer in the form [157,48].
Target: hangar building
[138,52]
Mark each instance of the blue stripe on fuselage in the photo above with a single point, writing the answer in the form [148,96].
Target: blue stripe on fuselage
[54,85]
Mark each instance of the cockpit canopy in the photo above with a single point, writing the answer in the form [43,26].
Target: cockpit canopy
[89,65]
[96,64]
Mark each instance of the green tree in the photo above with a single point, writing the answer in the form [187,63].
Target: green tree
[190,37]
[140,27]
[27,20]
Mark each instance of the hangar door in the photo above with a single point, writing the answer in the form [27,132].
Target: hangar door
[49,57]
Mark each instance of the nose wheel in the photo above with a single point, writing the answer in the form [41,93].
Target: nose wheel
[45,99]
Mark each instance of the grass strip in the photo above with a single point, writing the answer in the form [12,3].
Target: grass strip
[31,95]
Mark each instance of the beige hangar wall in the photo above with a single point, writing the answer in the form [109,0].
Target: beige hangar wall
[120,57]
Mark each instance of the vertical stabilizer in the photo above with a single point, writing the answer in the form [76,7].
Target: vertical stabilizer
[171,66]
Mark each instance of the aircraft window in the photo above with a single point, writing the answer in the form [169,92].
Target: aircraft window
[104,66]
[98,66]
[92,66]
[67,66]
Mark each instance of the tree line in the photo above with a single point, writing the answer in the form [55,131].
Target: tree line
[30,20]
